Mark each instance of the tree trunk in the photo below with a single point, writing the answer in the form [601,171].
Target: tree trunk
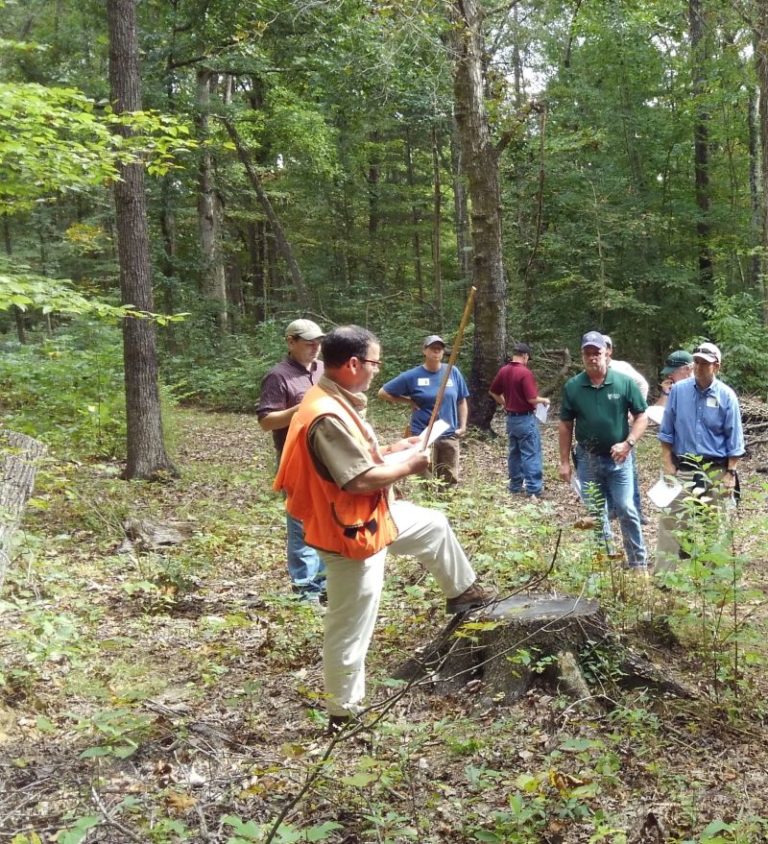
[701,142]
[21,330]
[210,211]
[761,60]
[20,456]
[480,159]
[283,245]
[415,237]
[437,224]
[461,213]
[147,457]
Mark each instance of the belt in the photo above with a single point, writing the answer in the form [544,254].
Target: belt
[594,450]
[694,463]
[519,412]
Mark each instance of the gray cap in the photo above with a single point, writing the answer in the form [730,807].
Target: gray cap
[708,352]
[432,339]
[306,329]
[593,338]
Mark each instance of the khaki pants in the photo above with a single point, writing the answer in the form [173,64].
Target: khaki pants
[354,589]
[681,516]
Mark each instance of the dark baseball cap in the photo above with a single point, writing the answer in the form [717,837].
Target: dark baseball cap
[593,338]
[675,360]
[521,349]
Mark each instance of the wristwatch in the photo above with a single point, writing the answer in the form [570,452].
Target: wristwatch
[631,441]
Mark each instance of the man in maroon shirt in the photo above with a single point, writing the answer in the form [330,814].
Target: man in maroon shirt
[514,388]
[282,390]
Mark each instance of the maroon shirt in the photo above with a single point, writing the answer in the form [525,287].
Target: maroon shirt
[517,384]
[284,386]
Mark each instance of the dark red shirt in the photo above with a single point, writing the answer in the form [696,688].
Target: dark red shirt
[517,384]
[284,386]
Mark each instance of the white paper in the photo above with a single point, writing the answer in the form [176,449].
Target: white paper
[541,412]
[662,494]
[438,429]
[655,413]
[575,484]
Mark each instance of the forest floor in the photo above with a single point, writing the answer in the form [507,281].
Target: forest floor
[175,694]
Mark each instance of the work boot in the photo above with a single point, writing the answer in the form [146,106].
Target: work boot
[470,599]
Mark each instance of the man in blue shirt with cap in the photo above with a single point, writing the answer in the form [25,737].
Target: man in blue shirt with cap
[702,441]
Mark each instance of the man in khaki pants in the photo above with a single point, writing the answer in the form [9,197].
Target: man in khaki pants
[701,441]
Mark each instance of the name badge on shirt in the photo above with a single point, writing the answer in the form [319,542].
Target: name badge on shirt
[422,382]
[712,401]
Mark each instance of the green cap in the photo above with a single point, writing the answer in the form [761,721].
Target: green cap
[676,360]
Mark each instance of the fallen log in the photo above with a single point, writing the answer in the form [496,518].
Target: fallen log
[19,459]
[524,639]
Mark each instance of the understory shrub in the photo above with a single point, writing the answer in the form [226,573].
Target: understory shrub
[67,390]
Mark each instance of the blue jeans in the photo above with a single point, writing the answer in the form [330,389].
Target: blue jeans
[524,459]
[306,569]
[601,478]
[636,496]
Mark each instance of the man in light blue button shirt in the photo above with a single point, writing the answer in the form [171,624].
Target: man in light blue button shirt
[701,425]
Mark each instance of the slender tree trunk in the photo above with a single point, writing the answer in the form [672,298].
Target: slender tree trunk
[481,161]
[18,314]
[147,457]
[701,141]
[755,194]
[210,211]
[283,244]
[761,60]
[437,223]
[415,237]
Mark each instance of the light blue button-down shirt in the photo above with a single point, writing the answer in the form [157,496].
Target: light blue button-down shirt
[704,422]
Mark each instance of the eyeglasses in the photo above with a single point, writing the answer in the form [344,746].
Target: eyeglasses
[376,363]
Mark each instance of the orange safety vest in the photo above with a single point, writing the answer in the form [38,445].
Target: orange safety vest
[354,526]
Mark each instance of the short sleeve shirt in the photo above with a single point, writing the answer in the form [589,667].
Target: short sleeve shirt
[518,386]
[284,386]
[600,413]
[421,386]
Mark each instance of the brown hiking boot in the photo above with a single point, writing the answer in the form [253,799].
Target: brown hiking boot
[470,599]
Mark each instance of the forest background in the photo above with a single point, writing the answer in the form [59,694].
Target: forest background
[584,165]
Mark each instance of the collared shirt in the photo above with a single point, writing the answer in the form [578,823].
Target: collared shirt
[517,384]
[339,456]
[600,413]
[284,386]
[422,386]
[703,422]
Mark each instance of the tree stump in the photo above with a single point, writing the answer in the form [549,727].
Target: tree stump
[510,644]
[19,459]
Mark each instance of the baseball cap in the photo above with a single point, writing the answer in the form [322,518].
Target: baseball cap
[608,341]
[675,360]
[708,352]
[306,329]
[593,338]
[432,339]
[521,349]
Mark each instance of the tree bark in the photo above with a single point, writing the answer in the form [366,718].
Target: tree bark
[701,142]
[20,456]
[147,457]
[210,211]
[761,61]
[481,162]
[437,225]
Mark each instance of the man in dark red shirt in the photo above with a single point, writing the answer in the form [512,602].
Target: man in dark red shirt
[514,388]
[282,390]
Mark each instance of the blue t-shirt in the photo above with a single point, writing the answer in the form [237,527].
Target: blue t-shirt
[421,386]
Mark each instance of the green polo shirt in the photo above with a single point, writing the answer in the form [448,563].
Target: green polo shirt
[601,412]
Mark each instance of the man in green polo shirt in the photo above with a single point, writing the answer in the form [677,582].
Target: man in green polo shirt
[598,404]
